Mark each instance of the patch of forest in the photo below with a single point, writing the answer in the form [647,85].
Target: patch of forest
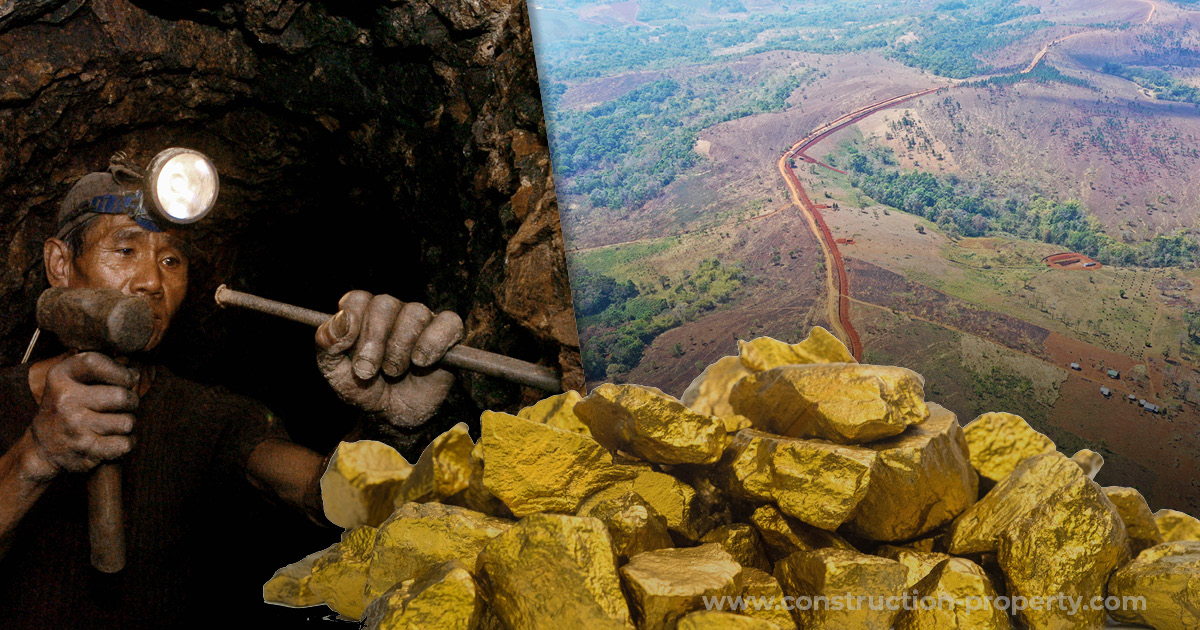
[1162,85]
[947,38]
[620,319]
[1042,73]
[622,153]
[963,208]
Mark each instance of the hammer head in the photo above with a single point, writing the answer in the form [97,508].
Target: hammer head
[104,320]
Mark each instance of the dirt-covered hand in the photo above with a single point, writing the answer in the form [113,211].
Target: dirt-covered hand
[86,413]
[377,353]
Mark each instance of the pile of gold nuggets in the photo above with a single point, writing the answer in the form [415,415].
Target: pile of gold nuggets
[789,479]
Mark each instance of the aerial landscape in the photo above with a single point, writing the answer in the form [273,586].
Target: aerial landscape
[1002,196]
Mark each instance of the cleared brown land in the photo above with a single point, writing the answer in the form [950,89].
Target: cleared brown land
[877,285]
[784,303]
[1155,453]
[592,93]
[1070,260]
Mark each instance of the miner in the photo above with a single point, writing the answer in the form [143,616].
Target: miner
[63,416]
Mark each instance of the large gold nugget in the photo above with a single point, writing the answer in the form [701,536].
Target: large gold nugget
[999,441]
[841,576]
[557,411]
[534,467]
[1090,461]
[1067,545]
[815,481]
[845,403]
[1168,577]
[647,423]
[785,536]
[361,483]
[1177,526]
[289,585]
[340,577]
[1139,521]
[918,563]
[762,597]
[444,598]
[442,471]
[956,595]
[476,496]
[765,353]
[709,393]
[714,620]
[420,536]
[922,479]
[1033,482]
[675,500]
[634,525]
[666,584]
[743,543]
[553,572]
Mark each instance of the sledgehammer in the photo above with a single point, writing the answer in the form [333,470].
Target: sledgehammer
[108,321]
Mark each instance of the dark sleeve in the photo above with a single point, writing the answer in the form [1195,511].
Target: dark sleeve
[247,423]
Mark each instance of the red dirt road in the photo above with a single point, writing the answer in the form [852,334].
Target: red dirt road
[835,268]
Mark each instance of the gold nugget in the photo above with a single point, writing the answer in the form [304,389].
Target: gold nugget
[921,480]
[444,597]
[812,480]
[361,483]
[666,584]
[845,403]
[1166,576]
[534,467]
[647,423]
[552,572]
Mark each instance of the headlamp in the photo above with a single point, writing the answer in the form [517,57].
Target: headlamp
[179,187]
[182,185]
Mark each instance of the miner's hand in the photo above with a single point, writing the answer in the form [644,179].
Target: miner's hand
[86,413]
[376,352]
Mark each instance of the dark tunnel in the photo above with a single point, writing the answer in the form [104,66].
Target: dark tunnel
[396,147]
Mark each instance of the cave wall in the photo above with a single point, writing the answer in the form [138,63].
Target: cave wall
[394,146]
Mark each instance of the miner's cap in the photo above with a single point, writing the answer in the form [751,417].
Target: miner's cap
[101,193]
[180,188]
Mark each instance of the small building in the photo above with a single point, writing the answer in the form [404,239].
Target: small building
[1114,374]
[1106,392]
[1075,366]
[1151,408]
[1131,398]
[1089,264]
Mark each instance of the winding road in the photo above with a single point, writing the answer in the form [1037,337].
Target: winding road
[836,281]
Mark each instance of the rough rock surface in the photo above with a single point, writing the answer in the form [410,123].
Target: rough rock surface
[999,441]
[420,536]
[1139,521]
[552,572]
[534,467]
[921,480]
[666,584]
[845,403]
[1168,577]
[444,598]
[840,575]
[966,595]
[812,480]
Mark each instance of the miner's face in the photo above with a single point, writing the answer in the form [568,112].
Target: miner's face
[117,253]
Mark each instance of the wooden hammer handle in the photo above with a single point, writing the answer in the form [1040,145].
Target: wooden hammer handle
[106,518]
